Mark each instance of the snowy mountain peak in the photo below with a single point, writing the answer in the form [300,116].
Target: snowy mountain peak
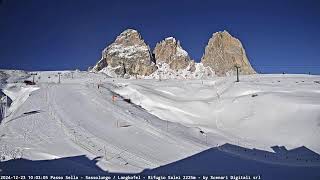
[170,51]
[170,38]
[128,54]
[222,33]
[129,31]
[129,35]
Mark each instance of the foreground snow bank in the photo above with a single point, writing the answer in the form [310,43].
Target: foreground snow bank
[260,111]
[18,95]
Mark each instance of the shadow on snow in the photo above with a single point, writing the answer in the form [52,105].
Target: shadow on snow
[76,165]
[228,159]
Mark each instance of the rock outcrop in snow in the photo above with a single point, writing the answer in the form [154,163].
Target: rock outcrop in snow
[192,71]
[223,53]
[169,51]
[127,55]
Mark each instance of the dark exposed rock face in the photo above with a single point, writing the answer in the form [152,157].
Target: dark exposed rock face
[128,54]
[223,53]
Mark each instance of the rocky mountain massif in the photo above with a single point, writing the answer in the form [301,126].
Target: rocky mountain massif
[223,52]
[129,56]
[169,51]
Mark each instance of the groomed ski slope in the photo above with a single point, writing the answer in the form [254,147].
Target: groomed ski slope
[76,118]
[167,120]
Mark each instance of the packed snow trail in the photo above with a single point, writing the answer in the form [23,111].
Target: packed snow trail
[94,113]
[77,119]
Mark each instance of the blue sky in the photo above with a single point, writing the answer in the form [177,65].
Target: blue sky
[68,34]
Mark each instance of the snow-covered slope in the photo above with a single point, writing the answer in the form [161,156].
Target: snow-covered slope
[163,122]
[260,111]
[165,72]
[76,118]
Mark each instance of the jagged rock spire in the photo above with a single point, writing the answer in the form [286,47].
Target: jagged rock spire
[170,51]
[223,53]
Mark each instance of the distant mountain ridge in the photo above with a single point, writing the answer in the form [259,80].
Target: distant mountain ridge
[129,56]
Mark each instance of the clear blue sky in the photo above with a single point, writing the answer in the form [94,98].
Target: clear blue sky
[68,34]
